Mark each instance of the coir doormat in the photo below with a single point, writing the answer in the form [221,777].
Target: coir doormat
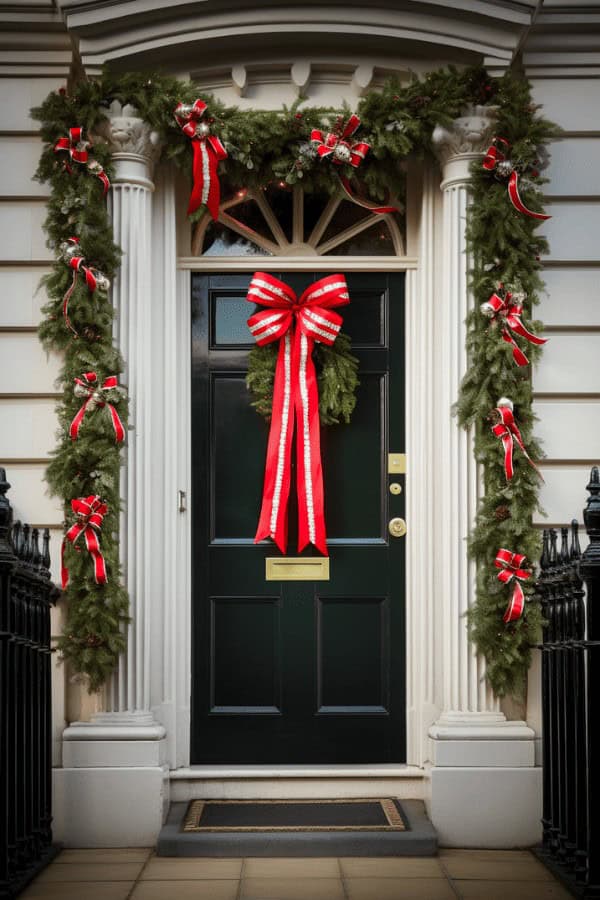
[294,815]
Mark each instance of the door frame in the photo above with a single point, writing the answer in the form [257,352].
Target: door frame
[421,711]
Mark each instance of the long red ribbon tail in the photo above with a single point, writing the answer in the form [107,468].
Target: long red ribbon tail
[515,607]
[379,210]
[311,511]
[93,545]
[519,440]
[517,326]
[508,444]
[515,199]
[66,299]
[518,355]
[273,514]
[77,420]
[117,424]
[206,187]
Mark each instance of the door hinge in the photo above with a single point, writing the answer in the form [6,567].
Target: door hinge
[182,501]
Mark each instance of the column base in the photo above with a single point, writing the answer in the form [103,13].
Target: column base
[486,791]
[113,789]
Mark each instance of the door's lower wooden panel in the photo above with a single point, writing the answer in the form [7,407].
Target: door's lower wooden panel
[245,658]
[353,656]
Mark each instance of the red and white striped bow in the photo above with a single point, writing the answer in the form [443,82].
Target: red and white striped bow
[208,152]
[338,149]
[505,310]
[93,278]
[493,157]
[510,565]
[77,148]
[507,430]
[90,512]
[296,323]
[87,386]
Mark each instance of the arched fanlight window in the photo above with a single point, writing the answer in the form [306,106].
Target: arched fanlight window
[278,221]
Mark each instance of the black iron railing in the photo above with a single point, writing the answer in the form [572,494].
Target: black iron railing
[569,589]
[26,594]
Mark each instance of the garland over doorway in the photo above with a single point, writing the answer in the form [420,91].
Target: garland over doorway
[322,150]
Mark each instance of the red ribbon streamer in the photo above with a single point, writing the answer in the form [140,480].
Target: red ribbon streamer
[89,389]
[90,512]
[508,431]
[510,313]
[510,565]
[297,324]
[340,151]
[208,152]
[495,155]
[77,148]
[77,263]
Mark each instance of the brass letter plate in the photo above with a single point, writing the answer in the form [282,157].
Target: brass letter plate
[296,568]
[396,463]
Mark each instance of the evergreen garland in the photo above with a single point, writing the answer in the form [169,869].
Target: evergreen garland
[266,147]
[504,246]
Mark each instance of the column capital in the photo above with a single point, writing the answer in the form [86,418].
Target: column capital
[135,146]
[467,139]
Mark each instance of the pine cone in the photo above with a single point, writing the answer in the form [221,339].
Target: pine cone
[501,513]
[91,333]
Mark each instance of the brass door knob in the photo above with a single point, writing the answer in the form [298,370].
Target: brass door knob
[397,527]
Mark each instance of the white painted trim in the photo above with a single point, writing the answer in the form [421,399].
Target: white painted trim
[208,264]
[223,773]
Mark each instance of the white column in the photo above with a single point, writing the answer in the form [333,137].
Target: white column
[117,762]
[476,752]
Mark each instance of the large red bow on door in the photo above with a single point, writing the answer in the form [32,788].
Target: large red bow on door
[208,152]
[505,309]
[77,148]
[510,565]
[492,161]
[296,324]
[90,512]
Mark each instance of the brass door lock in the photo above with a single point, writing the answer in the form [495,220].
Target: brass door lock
[397,527]
[395,488]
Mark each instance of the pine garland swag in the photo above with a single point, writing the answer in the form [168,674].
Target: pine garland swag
[504,246]
[265,147]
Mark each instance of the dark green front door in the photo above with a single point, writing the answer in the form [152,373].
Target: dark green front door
[297,671]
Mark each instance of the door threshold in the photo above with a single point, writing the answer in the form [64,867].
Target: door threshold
[360,770]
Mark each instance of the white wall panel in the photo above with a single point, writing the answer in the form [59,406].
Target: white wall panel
[28,428]
[571,362]
[21,230]
[573,230]
[563,495]
[25,368]
[20,157]
[29,495]
[569,429]
[572,296]
[574,167]
[21,297]
[17,96]
[569,102]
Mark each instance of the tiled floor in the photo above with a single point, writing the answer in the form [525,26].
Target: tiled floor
[139,875]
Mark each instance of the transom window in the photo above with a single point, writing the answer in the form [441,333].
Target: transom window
[283,221]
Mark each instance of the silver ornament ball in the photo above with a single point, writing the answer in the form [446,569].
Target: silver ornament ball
[342,153]
[504,168]
[102,282]
[202,129]
[68,250]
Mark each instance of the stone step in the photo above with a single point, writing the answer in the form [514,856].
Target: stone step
[419,839]
[297,781]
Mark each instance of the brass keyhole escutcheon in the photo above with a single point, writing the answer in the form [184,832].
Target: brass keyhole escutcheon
[395,488]
[397,527]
